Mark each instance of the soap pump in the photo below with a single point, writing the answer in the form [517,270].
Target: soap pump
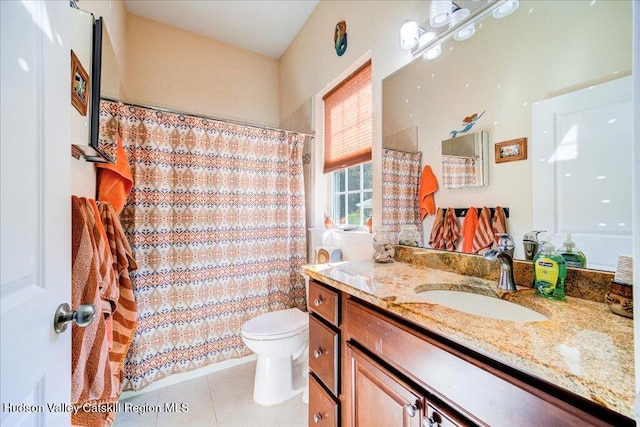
[549,272]
[573,257]
[531,244]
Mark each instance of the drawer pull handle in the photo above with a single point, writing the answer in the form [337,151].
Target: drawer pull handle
[411,409]
[317,301]
[317,353]
[433,421]
[317,418]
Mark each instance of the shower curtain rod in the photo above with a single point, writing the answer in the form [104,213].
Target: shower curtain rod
[401,151]
[218,119]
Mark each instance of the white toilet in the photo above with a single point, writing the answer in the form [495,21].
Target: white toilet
[281,341]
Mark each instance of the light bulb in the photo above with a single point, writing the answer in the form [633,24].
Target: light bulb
[426,37]
[409,35]
[507,8]
[457,17]
[433,53]
[440,13]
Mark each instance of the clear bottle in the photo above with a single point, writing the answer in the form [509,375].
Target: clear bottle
[549,272]
[409,235]
[383,245]
[573,257]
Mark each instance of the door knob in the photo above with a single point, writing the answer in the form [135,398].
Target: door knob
[83,316]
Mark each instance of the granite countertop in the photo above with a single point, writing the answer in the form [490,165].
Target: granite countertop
[581,347]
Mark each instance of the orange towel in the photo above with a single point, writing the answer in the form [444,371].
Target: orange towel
[125,315]
[469,226]
[428,186]
[92,275]
[451,230]
[435,239]
[115,179]
[483,238]
[498,224]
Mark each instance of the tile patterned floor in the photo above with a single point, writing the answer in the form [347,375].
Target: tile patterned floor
[220,399]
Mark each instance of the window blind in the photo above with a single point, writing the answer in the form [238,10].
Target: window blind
[348,118]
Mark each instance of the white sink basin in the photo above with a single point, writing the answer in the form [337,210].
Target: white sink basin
[482,305]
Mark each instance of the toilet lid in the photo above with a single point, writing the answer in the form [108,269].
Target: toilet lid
[279,322]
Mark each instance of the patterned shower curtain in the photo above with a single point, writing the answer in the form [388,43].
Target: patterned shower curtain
[401,178]
[216,223]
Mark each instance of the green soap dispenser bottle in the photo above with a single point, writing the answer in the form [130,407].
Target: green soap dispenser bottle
[572,257]
[549,272]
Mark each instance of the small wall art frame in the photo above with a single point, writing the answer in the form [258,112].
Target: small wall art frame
[79,85]
[509,151]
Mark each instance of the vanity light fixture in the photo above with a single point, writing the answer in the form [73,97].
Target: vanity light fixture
[461,25]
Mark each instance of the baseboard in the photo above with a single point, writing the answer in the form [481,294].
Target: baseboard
[186,376]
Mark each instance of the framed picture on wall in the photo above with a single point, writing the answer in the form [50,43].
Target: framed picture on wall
[79,85]
[508,151]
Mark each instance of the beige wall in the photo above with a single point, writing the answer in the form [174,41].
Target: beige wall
[172,68]
[310,64]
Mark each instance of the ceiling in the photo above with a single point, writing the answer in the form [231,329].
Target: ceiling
[265,27]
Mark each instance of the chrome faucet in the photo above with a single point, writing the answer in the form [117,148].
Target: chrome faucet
[504,254]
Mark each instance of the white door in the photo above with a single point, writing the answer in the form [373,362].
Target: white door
[35,209]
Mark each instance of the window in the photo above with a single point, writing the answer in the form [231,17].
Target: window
[348,129]
[348,118]
[352,194]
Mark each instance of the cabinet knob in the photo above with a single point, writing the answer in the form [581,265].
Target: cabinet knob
[411,409]
[317,353]
[317,418]
[433,421]
[317,301]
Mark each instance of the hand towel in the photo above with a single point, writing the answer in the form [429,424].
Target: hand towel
[483,238]
[498,224]
[469,226]
[115,179]
[125,315]
[428,186]
[451,230]
[435,238]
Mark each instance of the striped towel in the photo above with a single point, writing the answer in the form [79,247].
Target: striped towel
[92,282]
[435,238]
[484,238]
[451,232]
[498,224]
[125,315]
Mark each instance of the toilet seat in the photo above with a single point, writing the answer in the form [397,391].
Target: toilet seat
[276,325]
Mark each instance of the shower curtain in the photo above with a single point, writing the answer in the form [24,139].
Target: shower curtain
[401,178]
[216,223]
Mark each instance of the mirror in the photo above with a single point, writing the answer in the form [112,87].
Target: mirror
[465,161]
[542,50]
[106,82]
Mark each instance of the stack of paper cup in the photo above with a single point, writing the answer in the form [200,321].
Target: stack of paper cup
[624,270]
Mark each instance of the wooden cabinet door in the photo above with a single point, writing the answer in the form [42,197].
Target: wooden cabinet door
[378,398]
[323,410]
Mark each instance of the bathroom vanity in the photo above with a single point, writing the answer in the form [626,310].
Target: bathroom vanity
[382,355]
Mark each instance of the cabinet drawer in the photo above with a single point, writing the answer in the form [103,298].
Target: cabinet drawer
[437,417]
[323,410]
[476,390]
[324,347]
[324,302]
